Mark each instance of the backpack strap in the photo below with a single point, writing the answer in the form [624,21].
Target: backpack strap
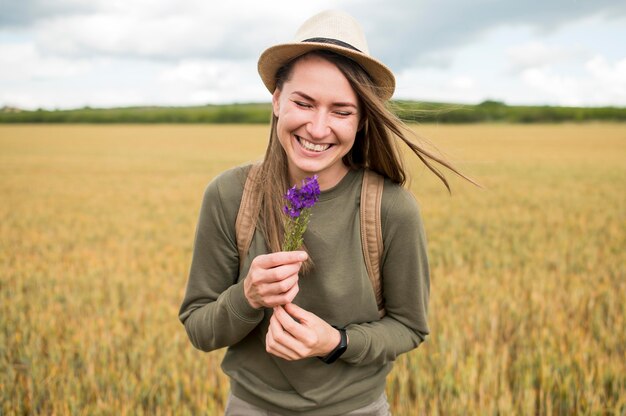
[371,232]
[248,213]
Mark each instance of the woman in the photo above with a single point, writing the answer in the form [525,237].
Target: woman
[302,328]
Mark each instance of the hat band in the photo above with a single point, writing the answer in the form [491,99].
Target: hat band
[332,42]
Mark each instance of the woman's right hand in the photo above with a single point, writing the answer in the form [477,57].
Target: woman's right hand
[273,278]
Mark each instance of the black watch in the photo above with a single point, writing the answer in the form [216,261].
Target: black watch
[339,349]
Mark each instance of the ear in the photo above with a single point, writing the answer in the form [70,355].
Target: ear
[276,102]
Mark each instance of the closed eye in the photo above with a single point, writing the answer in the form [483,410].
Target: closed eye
[301,104]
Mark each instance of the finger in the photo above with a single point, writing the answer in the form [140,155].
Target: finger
[290,295]
[281,287]
[281,315]
[291,325]
[312,331]
[298,313]
[279,273]
[277,287]
[259,276]
[272,347]
[280,351]
[267,261]
[285,342]
[278,342]
[282,299]
[271,299]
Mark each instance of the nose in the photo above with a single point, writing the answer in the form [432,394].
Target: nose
[318,126]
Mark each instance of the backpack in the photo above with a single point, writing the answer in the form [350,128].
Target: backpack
[371,228]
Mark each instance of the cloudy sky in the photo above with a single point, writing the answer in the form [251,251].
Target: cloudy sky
[104,53]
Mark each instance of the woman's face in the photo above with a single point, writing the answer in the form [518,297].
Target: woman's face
[318,117]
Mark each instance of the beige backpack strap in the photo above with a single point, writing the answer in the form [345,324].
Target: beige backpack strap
[371,232]
[248,213]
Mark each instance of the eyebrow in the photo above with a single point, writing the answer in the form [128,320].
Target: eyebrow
[337,104]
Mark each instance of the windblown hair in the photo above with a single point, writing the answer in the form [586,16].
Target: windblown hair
[375,146]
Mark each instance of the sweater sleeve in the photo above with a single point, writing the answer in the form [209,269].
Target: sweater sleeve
[215,311]
[406,287]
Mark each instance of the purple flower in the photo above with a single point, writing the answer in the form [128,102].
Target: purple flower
[298,211]
[300,199]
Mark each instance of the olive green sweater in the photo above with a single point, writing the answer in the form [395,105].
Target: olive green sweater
[216,313]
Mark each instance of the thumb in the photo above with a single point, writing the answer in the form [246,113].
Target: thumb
[297,312]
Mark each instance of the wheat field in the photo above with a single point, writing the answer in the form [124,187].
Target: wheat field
[528,283]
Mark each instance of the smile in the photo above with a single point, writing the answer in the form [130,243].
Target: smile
[312,146]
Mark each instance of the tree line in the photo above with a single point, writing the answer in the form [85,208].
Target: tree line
[254,113]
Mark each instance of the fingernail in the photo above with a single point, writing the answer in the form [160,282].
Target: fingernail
[302,256]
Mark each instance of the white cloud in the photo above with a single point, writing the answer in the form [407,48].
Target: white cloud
[462,82]
[436,85]
[167,30]
[539,54]
[202,81]
[168,37]
[602,83]
[615,75]
[24,61]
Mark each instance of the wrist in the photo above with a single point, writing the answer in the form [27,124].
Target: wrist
[339,348]
[246,295]
[332,341]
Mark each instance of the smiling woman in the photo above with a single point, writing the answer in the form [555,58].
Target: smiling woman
[315,340]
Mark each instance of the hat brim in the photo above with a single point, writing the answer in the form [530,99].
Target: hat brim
[274,57]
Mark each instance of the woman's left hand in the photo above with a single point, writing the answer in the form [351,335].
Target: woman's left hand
[295,333]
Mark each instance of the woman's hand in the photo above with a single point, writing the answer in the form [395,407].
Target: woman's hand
[295,334]
[273,279]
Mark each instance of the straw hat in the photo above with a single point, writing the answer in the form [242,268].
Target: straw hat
[330,30]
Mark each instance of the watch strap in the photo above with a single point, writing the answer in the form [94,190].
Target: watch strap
[339,349]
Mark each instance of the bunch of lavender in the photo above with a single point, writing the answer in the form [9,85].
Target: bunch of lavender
[298,212]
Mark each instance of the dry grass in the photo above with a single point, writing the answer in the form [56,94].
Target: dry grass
[528,276]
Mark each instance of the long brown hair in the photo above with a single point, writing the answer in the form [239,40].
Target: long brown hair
[375,146]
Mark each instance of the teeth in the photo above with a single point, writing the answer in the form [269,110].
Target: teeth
[312,146]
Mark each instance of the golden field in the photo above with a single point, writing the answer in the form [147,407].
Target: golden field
[528,285]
